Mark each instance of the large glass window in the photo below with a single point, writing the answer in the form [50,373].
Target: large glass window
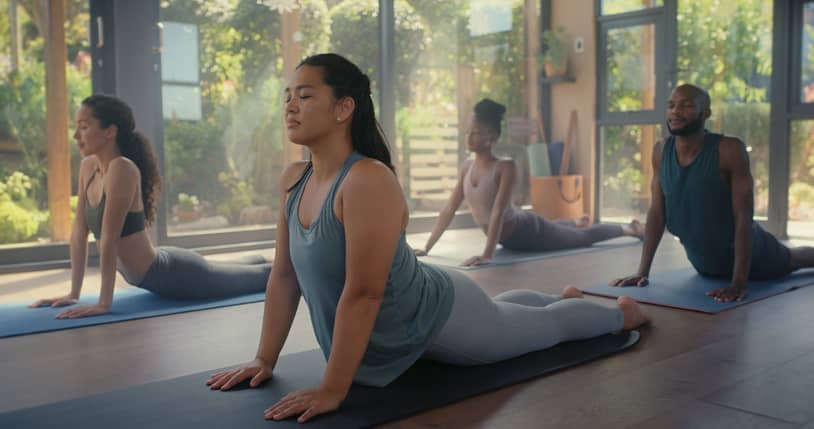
[627,170]
[733,61]
[807,55]
[224,141]
[25,215]
[449,55]
[612,7]
[631,68]
[801,177]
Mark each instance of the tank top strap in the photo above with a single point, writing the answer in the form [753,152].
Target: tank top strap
[340,177]
[90,180]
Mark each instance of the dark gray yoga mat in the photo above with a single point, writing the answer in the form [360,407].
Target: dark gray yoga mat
[186,402]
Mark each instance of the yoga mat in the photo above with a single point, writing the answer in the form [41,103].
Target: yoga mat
[451,250]
[685,289]
[128,304]
[186,402]
[538,159]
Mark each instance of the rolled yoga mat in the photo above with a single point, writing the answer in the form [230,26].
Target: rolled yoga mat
[128,304]
[685,289]
[186,402]
[539,164]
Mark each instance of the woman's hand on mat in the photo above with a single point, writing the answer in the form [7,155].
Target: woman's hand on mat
[84,311]
[305,403]
[636,280]
[476,260]
[420,252]
[728,294]
[258,370]
[55,302]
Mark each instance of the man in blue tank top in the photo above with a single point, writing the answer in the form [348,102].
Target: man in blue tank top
[703,192]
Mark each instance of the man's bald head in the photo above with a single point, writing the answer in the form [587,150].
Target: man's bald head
[687,110]
[696,92]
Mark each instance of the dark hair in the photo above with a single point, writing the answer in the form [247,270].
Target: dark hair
[490,113]
[347,80]
[109,110]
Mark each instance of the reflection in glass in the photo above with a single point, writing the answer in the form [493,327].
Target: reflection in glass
[631,70]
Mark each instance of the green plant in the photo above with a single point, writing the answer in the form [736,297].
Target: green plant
[19,218]
[241,195]
[555,44]
[189,203]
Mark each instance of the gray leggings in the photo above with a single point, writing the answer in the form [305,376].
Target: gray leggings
[533,233]
[484,330]
[184,274]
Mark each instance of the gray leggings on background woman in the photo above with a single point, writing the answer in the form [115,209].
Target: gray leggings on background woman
[184,274]
[484,330]
[532,233]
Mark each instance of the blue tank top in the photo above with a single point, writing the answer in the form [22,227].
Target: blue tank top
[698,208]
[417,297]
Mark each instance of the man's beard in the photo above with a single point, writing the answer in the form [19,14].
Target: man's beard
[690,128]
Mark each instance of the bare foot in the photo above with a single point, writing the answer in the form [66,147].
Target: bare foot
[634,229]
[634,317]
[571,292]
[584,221]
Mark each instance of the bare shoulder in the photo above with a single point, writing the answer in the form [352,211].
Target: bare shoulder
[87,166]
[123,168]
[371,172]
[506,164]
[731,145]
[732,152]
[291,174]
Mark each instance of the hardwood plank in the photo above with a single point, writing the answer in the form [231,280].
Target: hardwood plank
[783,392]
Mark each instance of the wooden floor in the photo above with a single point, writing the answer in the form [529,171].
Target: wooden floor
[751,367]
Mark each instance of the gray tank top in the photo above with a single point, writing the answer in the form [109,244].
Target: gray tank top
[417,298]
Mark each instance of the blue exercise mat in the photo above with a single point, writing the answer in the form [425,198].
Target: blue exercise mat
[128,304]
[186,402]
[453,254]
[685,289]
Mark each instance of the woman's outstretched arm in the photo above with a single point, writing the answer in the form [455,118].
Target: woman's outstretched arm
[448,212]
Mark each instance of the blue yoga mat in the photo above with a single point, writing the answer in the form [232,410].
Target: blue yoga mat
[128,304]
[685,289]
[450,255]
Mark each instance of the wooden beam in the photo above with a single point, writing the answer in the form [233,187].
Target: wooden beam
[56,118]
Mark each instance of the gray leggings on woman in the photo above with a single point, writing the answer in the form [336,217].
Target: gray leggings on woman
[184,274]
[483,330]
[533,233]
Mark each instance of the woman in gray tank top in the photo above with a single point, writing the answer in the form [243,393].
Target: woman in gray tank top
[486,183]
[118,191]
[374,307]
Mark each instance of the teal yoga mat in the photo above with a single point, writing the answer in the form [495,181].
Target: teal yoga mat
[128,304]
[685,289]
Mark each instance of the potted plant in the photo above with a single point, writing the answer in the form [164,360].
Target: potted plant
[555,53]
[188,207]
